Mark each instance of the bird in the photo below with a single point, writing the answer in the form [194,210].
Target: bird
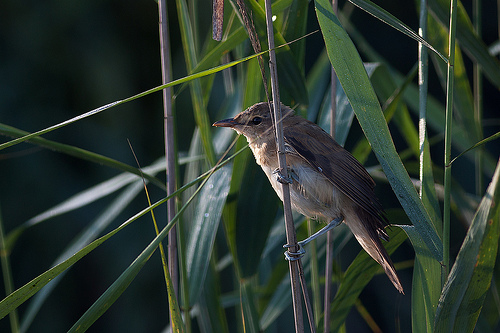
[326,182]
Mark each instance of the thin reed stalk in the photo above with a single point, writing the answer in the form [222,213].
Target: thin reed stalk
[478,98]
[170,151]
[423,74]
[329,235]
[290,228]
[315,280]
[447,142]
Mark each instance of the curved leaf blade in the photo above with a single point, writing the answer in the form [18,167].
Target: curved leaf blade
[80,153]
[118,287]
[203,230]
[88,235]
[468,39]
[394,22]
[19,296]
[470,277]
[352,75]
[426,286]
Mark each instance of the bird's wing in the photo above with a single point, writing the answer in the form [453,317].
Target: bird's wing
[327,157]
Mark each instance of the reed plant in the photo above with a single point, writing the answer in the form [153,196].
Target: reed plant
[416,102]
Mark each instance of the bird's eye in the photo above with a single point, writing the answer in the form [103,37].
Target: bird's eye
[256,120]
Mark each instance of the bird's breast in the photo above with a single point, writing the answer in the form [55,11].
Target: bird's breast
[265,154]
[311,193]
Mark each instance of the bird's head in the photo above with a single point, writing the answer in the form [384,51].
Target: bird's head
[255,122]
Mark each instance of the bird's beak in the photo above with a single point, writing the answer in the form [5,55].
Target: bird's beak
[225,123]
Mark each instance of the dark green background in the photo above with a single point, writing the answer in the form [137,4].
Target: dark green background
[59,59]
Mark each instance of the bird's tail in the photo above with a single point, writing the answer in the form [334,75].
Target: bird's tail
[368,238]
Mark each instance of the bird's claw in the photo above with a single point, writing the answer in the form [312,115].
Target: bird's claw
[292,256]
[280,178]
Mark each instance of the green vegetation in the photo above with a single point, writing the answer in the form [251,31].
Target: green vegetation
[77,234]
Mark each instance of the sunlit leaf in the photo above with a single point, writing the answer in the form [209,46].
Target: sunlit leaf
[204,228]
[352,75]
[468,39]
[392,21]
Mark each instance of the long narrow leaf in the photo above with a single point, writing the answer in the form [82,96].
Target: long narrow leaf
[352,75]
[252,92]
[19,296]
[216,53]
[480,143]
[210,317]
[470,276]
[93,194]
[173,305]
[249,311]
[468,40]
[392,21]
[206,222]
[291,77]
[79,153]
[435,114]
[129,99]
[118,287]
[462,97]
[190,55]
[88,235]
[344,112]
[426,285]
[8,281]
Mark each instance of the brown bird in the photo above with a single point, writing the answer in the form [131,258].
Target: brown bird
[326,182]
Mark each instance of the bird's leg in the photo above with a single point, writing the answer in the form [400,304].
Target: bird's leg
[291,256]
[280,178]
[323,230]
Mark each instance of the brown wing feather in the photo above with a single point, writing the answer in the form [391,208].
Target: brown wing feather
[338,166]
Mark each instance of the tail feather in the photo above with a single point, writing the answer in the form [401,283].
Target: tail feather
[368,238]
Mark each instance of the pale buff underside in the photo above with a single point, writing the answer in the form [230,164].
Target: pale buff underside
[311,193]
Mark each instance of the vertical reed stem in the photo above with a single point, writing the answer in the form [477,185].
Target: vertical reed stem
[423,88]
[447,141]
[478,100]
[170,151]
[329,235]
[290,229]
